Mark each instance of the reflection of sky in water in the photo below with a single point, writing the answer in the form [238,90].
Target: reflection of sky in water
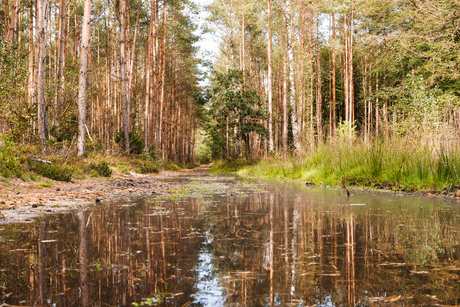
[209,292]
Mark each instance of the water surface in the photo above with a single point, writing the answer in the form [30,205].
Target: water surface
[260,244]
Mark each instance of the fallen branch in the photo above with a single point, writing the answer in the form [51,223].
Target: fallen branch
[38,159]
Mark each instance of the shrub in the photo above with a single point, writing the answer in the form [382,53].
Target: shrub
[146,167]
[9,160]
[102,168]
[55,172]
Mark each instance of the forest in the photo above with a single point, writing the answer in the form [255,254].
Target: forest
[361,91]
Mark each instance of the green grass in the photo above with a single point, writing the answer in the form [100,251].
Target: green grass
[228,166]
[54,171]
[22,161]
[382,165]
[102,168]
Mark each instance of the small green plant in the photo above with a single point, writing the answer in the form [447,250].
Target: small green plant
[102,168]
[147,167]
[123,168]
[53,171]
[46,184]
[9,158]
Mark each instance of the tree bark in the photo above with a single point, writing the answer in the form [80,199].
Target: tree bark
[61,62]
[85,45]
[123,77]
[334,113]
[14,23]
[285,90]
[42,36]
[269,81]
[319,119]
[163,75]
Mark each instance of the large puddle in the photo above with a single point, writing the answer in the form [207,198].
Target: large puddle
[254,245]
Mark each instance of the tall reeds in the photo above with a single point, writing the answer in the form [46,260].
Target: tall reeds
[395,163]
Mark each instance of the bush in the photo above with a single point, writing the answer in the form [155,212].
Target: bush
[146,167]
[102,168]
[9,158]
[55,172]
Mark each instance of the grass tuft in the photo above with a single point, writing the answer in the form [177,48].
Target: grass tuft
[383,165]
[102,168]
[53,171]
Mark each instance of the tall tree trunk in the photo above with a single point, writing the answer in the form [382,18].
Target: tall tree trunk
[163,75]
[133,49]
[285,88]
[345,69]
[61,62]
[319,98]
[14,22]
[42,45]
[292,95]
[31,65]
[350,72]
[334,113]
[269,81]
[123,77]
[85,45]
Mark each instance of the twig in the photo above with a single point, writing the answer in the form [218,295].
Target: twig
[345,187]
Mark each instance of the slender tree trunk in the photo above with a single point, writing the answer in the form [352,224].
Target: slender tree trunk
[31,65]
[334,114]
[319,98]
[163,75]
[345,69]
[350,71]
[123,77]
[85,45]
[285,86]
[60,88]
[269,81]
[292,95]
[42,37]
[133,49]
[14,23]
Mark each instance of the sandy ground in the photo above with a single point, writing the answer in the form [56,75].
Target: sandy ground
[23,201]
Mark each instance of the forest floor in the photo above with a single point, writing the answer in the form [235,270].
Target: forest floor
[22,201]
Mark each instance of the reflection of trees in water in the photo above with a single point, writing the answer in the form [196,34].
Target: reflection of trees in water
[272,248]
[117,258]
[285,247]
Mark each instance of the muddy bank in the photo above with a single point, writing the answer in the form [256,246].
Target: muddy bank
[23,201]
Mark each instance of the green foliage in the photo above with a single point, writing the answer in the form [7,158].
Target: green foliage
[147,167]
[233,101]
[136,142]
[102,168]
[53,171]
[15,112]
[229,166]
[9,158]
[383,165]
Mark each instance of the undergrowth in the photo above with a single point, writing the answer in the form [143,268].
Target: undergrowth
[395,165]
[52,171]
[225,166]
[25,162]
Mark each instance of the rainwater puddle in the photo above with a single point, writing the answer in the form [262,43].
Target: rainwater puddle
[257,245]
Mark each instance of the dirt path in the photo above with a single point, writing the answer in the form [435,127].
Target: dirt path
[22,201]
